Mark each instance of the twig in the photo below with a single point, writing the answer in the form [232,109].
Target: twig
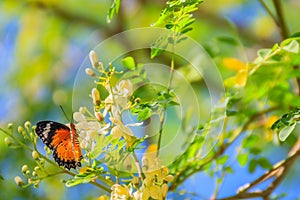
[182,175]
[269,12]
[282,25]
[279,171]
[138,165]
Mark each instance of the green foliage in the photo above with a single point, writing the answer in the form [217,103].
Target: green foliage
[114,9]
[178,19]
[287,123]
[258,91]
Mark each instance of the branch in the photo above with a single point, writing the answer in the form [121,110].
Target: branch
[198,165]
[66,14]
[282,24]
[279,172]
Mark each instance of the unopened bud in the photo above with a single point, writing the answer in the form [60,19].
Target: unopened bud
[99,116]
[137,100]
[20,129]
[35,155]
[7,141]
[34,173]
[27,124]
[42,161]
[93,58]
[18,180]
[82,110]
[96,96]
[37,168]
[24,168]
[36,185]
[164,190]
[169,178]
[27,172]
[90,72]
[145,163]
[9,126]
[135,181]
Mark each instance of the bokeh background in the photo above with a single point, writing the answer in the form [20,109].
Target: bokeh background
[43,43]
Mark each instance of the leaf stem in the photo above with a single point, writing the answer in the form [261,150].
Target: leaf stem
[162,118]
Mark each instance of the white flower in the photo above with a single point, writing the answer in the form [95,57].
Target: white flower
[89,130]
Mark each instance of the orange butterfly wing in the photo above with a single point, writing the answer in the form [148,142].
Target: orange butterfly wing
[63,141]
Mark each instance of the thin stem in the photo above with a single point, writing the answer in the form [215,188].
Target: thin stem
[138,165]
[283,27]
[162,119]
[198,165]
[269,12]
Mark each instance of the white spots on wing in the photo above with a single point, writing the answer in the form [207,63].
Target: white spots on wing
[47,130]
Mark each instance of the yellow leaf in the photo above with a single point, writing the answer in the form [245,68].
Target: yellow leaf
[239,80]
[233,63]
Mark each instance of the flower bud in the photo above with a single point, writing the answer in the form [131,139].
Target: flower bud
[137,100]
[9,126]
[135,181]
[7,141]
[103,197]
[27,172]
[42,161]
[37,168]
[34,174]
[62,180]
[20,129]
[24,168]
[90,72]
[35,155]
[145,163]
[164,190]
[93,58]
[18,180]
[27,124]
[169,178]
[82,110]
[99,116]
[36,185]
[96,96]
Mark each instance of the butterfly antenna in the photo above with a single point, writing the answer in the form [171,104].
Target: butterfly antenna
[64,113]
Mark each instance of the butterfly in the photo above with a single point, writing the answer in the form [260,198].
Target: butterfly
[63,141]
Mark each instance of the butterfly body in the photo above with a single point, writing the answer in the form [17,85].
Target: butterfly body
[63,141]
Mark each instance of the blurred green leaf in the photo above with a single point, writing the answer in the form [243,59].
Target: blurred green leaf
[252,165]
[114,9]
[286,131]
[243,159]
[222,160]
[129,63]
[292,47]
[264,163]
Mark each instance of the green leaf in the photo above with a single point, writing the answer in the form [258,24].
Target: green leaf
[144,114]
[243,159]
[250,141]
[264,163]
[228,40]
[129,63]
[222,160]
[228,169]
[155,52]
[114,8]
[252,165]
[286,131]
[255,150]
[263,53]
[292,47]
